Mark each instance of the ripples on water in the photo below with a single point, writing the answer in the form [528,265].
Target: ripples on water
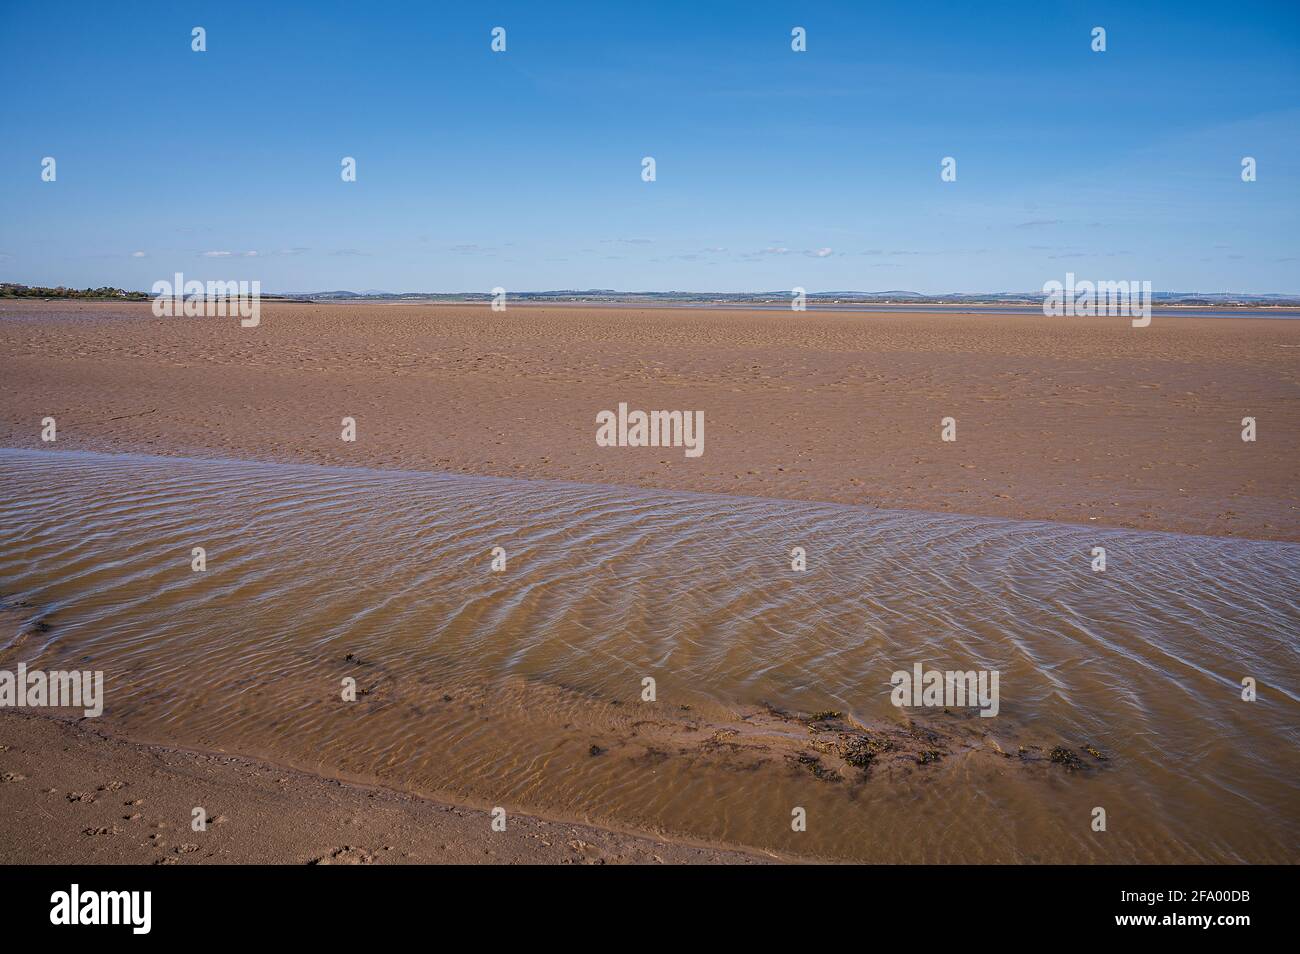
[493,687]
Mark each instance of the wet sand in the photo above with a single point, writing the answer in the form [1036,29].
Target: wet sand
[349,623]
[71,794]
[1064,419]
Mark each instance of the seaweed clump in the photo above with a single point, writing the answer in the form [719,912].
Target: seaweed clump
[860,751]
[1063,756]
[819,771]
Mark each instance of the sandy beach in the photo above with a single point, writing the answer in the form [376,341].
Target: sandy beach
[367,560]
[1083,420]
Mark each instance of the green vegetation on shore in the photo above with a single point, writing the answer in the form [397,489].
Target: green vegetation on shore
[9,290]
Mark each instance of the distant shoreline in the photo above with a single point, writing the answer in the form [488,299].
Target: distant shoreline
[843,300]
[989,309]
[865,307]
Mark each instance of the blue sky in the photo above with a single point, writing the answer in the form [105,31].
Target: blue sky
[774,168]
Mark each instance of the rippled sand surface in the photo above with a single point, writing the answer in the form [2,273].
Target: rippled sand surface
[523,688]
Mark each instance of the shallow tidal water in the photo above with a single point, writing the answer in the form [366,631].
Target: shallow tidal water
[523,688]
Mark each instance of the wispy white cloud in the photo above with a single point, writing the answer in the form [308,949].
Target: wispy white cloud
[824,252]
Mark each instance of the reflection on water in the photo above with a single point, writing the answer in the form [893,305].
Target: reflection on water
[524,688]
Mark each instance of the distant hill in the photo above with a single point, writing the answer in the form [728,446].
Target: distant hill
[596,295]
